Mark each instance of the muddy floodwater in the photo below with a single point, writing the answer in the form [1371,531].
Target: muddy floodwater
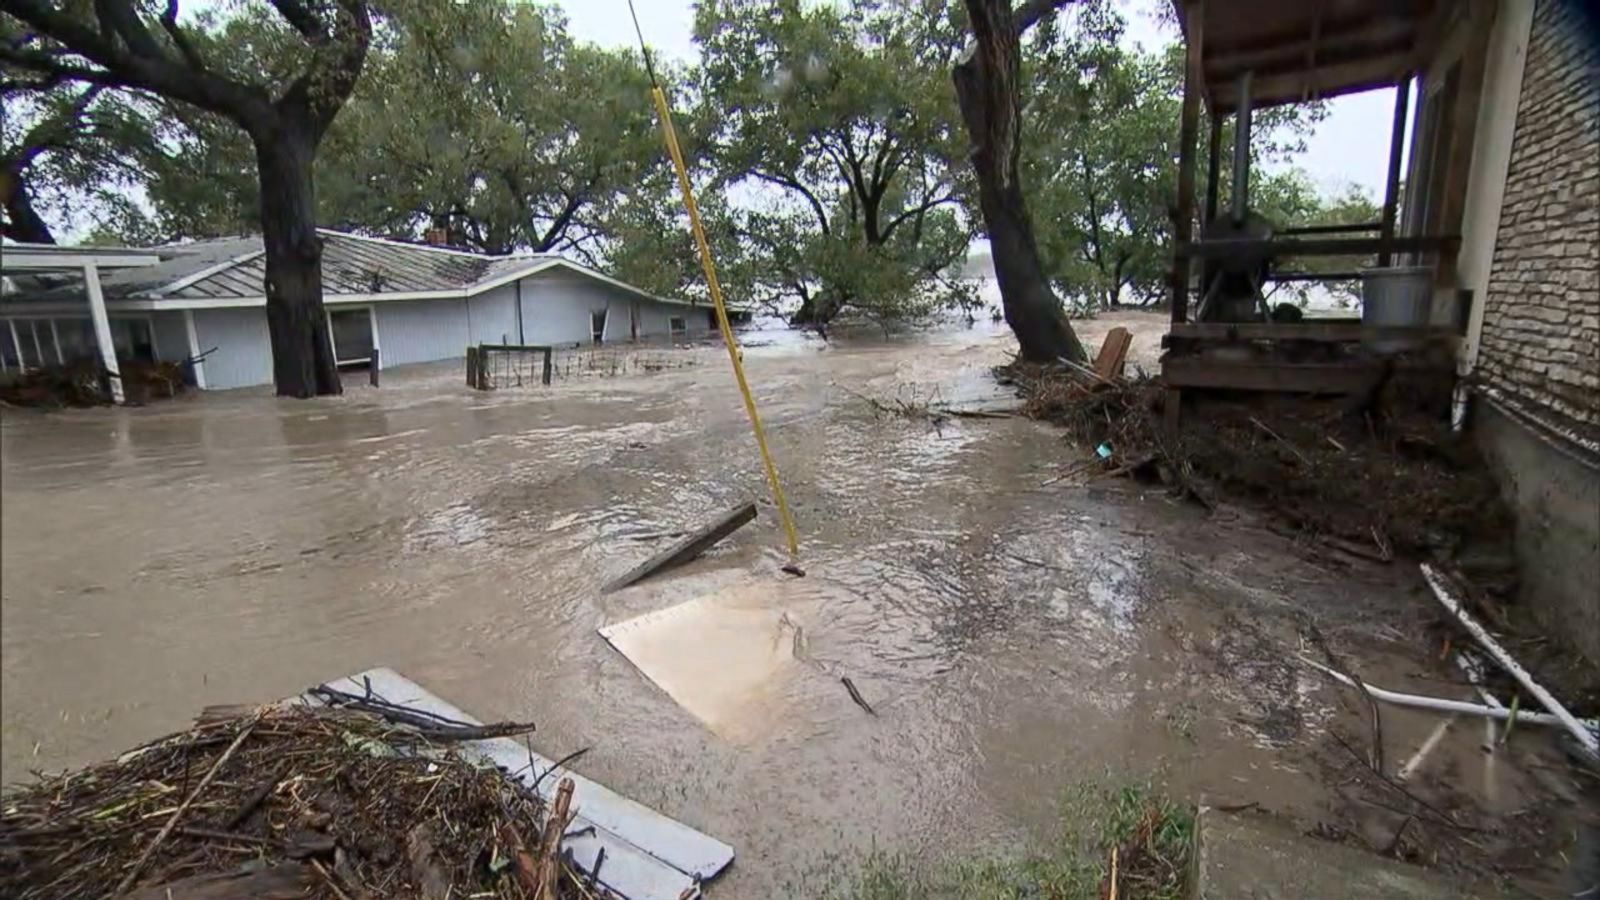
[1014,636]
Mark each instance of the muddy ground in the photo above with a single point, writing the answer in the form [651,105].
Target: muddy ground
[1013,636]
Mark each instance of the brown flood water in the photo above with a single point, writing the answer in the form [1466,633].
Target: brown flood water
[1013,637]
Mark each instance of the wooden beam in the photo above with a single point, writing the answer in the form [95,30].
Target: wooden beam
[1332,229]
[687,547]
[1329,81]
[1281,247]
[1282,377]
[1321,332]
[1189,125]
[1391,188]
[1292,48]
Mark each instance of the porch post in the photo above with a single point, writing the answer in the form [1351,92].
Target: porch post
[199,365]
[1391,187]
[102,330]
[1189,126]
[16,344]
[55,335]
[1213,167]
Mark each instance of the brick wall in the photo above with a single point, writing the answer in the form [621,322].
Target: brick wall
[1541,319]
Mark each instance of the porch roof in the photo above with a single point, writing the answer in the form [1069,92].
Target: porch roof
[1302,51]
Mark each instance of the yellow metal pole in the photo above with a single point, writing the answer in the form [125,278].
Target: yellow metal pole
[715,289]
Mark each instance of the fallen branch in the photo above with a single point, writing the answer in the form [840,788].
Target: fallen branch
[1585,735]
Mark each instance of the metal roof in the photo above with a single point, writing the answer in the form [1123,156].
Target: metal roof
[222,269]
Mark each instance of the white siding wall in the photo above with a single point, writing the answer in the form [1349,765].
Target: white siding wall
[414,331]
[494,317]
[244,349]
[556,308]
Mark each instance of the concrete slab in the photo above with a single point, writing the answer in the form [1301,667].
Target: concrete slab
[1245,856]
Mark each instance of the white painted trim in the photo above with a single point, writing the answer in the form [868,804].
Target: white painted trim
[55,335]
[1491,161]
[38,345]
[372,315]
[16,346]
[194,349]
[102,330]
[333,347]
[20,259]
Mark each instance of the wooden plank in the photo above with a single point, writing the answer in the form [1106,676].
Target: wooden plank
[1331,229]
[689,547]
[1327,332]
[1293,378]
[1363,246]
[1113,355]
[647,855]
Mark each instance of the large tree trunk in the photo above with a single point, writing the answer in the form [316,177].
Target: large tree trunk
[986,83]
[302,354]
[23,222]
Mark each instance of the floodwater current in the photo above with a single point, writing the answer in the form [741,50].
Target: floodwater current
[1013,636]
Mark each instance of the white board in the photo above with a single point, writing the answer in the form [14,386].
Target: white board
[648,856]
[726,657]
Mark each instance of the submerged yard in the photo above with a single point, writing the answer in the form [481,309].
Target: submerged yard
[1020,637]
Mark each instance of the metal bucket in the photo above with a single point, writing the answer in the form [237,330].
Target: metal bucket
[1397,296]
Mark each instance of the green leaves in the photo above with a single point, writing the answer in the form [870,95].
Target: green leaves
[833,128]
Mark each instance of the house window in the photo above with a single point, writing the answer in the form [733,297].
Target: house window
[351,333]
[679,327]
[597,325]
[133,339]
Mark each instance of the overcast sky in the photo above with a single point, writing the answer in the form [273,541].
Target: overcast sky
[1350,146]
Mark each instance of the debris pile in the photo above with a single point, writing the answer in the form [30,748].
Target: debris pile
[83,383]
[364,800]
[1377,475]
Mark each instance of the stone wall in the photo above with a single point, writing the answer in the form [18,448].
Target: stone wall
[1540,345]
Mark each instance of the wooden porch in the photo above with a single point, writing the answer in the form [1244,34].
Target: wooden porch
[1246,55]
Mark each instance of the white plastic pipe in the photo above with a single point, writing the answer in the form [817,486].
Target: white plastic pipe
[1441,705]
[1441,589]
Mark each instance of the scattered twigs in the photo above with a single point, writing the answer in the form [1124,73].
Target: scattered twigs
[1280,439]
[331,801]
[1348,677]
[558,764]
[1440,816]
[177,816]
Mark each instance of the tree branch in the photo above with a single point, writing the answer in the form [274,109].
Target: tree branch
[918,210]
[169,22]
[302,19]
[1029,14]
[795,185]
[124,66]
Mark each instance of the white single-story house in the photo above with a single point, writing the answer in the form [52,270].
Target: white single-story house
[413,303]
